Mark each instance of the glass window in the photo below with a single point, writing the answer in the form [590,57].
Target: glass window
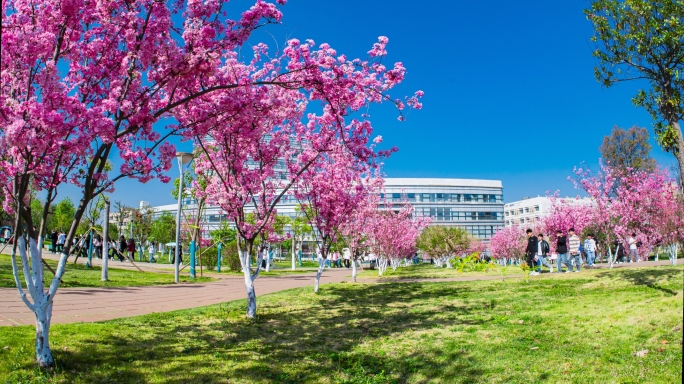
[467,198]
[396,197]
[455,197]
[536,208]
[411,196]
[527,209]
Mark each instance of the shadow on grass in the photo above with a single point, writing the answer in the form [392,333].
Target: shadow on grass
[285,345]
[647,277]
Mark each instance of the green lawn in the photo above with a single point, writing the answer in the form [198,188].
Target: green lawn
[579,328]
[77,275]
[428,271]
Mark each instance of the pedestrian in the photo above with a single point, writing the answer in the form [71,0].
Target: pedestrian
[123,247]
[346,256]
[299,255]
[574,248]
[336,259]
[619,251]
[633,254]
[590,249]
[531,250]
[53,241]
[152,249]
[131,249]
[562,249]
[61,239]
[542,252]
[97,245]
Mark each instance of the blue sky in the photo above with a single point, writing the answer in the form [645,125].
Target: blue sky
[509,88]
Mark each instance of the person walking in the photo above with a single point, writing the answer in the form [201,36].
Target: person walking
[61,239]
[543,250]
[633,254]
[590,249]
[346,256]
[123,247]
[152,249]
[619,251]
[53,241]
[574,248]
[336,259]
[97,246]
[562,250]
[531,250]
[130,248]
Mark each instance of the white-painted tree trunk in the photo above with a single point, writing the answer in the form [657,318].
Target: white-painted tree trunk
[321,267]
[42,301]
[105,243]
[249,280]
[395,263]
[673,253]
[353,262]
[381,264]
[448,262]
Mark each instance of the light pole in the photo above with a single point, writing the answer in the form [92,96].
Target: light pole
[183,158]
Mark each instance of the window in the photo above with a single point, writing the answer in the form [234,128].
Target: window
[396,197]
[527,209]
[455,197]
[467,198]
[411,196]
[536,208]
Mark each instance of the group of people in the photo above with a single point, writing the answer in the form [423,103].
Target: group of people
[570,250]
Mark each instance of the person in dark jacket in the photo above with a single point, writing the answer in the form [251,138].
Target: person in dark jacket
[543,250]
[531,250]
[123,247]
[53,241]
[562,249]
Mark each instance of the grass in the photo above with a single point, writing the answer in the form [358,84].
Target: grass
[429,271]
[77,275]
[571,328]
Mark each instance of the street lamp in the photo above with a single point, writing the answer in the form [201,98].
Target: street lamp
[183,158]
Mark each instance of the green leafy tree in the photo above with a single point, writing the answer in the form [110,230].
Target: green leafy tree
[644,40]
[163,229]
[625,149]
[224,233]
[64,214]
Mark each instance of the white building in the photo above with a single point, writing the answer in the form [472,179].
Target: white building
[529,210]
[475,205]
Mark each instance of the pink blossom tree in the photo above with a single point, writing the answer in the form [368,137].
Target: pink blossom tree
[393,234]
[257,144]
[508,244]
[84,81]
[354,229]
[565,214]
[331,191]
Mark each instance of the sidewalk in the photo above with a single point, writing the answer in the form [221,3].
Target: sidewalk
[97,304]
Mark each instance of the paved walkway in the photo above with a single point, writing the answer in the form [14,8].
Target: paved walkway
[97,304]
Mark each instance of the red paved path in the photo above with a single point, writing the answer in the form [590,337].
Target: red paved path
[97,304]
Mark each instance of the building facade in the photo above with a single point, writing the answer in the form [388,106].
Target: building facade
[475,205]
[530,210]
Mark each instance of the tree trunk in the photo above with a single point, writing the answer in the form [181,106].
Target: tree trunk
[251,295]
[43,353]
[105,243]
[353,260]
[679,153]
[42,301]
[448,263]
[321,267]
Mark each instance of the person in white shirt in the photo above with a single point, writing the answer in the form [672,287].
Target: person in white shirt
[346,255]
[60,241]
[590,249]
[633,254]
[152,250]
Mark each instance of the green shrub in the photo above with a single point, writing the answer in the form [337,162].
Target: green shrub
[229,257]
[210,258]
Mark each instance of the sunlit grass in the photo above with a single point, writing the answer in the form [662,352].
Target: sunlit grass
[581,328]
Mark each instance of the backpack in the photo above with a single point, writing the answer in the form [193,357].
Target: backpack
[639,244]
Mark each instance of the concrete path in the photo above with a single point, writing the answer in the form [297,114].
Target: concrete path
[97,304]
